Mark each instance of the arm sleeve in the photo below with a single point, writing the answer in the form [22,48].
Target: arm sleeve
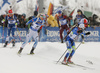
[87,33]
[32,20]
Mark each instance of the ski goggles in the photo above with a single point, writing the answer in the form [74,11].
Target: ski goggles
[42,16]
[79,12]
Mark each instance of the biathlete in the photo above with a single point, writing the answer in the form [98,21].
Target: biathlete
[70,43]
[12,25]
[37,24]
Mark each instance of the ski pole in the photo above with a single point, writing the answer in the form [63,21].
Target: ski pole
[66,51]
[11,41]
[62,56]
[3,33]
[70,31]
[19,35]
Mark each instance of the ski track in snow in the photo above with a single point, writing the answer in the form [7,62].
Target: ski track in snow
[45,57]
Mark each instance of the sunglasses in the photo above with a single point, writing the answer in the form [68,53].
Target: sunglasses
[78,12]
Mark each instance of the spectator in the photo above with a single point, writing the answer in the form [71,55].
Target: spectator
[70,20]
[22,21]
[79,16]
[1,18]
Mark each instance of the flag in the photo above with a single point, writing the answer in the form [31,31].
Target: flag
[19,1]
[72,12]
[37,5]
[4,2]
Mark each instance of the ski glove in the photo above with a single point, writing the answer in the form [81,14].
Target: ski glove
[82,36]
[80,31]
[88,33]
[39,30]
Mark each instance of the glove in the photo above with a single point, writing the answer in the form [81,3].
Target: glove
[39,30]
[88,33]
[16,25]
[80,31]
[82,36]
[3,20]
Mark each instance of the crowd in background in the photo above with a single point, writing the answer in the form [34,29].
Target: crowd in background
[23,20]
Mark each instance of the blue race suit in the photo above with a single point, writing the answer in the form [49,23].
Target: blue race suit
[11,25]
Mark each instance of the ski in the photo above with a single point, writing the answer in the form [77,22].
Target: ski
[62,63]
[81,66]
[74,65]
[66,64]
[30,54]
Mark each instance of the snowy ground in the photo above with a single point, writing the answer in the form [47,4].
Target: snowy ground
[45,57]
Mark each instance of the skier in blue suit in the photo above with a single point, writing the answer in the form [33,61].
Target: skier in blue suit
[12,24]
[70,42]
[37,24]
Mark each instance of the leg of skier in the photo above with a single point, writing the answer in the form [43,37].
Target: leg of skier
[13,42]
[72,52]
[7,38]
[68,44]
[36,42]
[61,31]
[26,41]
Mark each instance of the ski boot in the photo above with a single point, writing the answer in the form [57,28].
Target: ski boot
[6,43]
[69,60]
[13,42]
[19,52]
[64,61]
[31,52]
[83,42]
[61,40]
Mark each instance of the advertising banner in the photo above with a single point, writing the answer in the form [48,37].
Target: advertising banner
[52,34]
[49,34]
[20,34]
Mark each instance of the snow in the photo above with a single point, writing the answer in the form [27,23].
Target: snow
[45,57]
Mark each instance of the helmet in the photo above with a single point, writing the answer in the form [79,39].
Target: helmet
[59,12]
[10,11]
[79,10]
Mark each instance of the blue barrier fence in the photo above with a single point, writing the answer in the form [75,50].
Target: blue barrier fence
[50,34]
[94,36]
[20,35]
